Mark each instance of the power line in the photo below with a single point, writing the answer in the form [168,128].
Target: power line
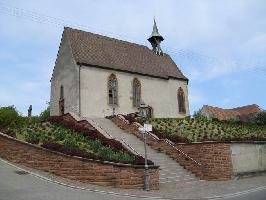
[49,20]
[56,22]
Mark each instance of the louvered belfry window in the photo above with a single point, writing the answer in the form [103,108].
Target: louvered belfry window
[112,90]
[136,92]
[181,101]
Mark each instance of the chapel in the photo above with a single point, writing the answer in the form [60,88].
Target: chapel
[98,76]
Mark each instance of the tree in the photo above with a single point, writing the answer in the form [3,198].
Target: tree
[9,116]
[259,118]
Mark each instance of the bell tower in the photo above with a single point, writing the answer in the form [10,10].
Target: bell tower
[155,39]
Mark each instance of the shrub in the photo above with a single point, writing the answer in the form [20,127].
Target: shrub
[44,116]
[32,137]
[70,142]
[9,116]
[59,135]
[259,118]
[233,120]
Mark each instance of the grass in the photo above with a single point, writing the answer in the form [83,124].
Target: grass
[198,130]
[38,134]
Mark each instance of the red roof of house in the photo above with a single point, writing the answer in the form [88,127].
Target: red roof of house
[225,114]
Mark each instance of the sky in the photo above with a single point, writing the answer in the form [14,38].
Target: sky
[219,45]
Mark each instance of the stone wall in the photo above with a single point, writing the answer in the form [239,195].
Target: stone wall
[74,168]
[208,161]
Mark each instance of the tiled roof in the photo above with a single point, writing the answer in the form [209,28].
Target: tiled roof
[102,51]
[246,110]
[225,114]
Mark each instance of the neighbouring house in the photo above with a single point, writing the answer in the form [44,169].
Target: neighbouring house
[96,76]
[241,113]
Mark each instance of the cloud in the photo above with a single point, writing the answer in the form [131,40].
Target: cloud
[209,40]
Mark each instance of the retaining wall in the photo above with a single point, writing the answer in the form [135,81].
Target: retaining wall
[75,168]
[208,161]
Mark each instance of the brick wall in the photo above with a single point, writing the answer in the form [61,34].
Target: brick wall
[213,160]
[83,170]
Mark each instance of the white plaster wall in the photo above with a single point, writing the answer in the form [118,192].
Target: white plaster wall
[248,157]
[65,73]
[158,93]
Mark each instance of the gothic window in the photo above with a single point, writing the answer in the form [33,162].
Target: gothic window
[136,92]
[112,90]
[181,100]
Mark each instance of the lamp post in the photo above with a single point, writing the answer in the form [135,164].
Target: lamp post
[143,113]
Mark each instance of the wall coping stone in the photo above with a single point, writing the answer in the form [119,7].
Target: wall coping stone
[220,142]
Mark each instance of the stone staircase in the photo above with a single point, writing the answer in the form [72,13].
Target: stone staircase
[170,170]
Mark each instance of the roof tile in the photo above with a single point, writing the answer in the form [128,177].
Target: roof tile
[225,114]
[97,50]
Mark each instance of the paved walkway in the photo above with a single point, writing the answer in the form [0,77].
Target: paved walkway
[170,171]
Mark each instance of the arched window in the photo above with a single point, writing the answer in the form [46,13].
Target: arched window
[181,101]
[136,92]
[112,90]
[61,92]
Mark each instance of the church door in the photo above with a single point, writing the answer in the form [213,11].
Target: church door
[61,107]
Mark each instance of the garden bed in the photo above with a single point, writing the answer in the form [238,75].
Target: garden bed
[193,130]
[70,137]
[98,172]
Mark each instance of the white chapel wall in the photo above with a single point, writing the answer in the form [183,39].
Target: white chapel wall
[160,94]
[65,74]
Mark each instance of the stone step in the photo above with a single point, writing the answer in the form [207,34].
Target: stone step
[178,180]
[170,171]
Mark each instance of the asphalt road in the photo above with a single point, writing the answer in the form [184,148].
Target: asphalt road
[14,186]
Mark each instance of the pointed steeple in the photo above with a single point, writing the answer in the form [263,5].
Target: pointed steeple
[155,39]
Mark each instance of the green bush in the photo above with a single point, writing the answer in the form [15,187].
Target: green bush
[59,135]
[70,142]
[9,116]
[31,136]
[45,114]
[259,118]
[106,152]
[233,120]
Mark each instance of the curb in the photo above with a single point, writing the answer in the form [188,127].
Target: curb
[125,194]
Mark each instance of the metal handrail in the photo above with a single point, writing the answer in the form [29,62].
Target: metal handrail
[124,142]
[167,141]
[170,143]
[179,150]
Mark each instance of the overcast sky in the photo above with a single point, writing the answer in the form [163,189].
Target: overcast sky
[219,45]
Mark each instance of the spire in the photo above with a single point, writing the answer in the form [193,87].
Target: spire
[155,39]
